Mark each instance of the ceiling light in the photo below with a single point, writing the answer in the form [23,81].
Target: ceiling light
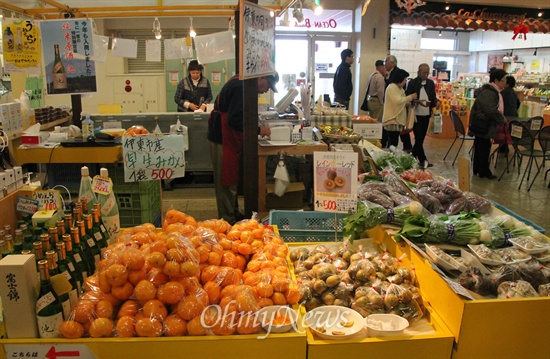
[298,13]
[447,7]
[408,27]
[156,29]
[192,32]
[540,14]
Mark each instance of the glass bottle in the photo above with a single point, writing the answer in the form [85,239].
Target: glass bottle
[104,230]
[17,248]
[49,312]
[9,242]
[89,252]
[68,223]
[54,238]
[97,232]
[60,228]
[54,271]
[58,70]
[69,271]
[18,236]
[2,247]
[109,208]
[85,193]
[74,261]
[45,239]
[38,252]
[27,243]
[7,230]
[9,43]
[25,229]
[2,233]
[91,240]
[79,255]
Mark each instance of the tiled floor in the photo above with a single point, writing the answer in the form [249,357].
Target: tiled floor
[533,205]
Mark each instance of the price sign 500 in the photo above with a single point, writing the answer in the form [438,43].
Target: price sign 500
[326,204]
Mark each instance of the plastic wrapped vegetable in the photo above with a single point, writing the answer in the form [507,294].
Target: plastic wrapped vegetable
[518,289]
[477,203]
[400,300]
[399,214]
[368,216]
[432,204]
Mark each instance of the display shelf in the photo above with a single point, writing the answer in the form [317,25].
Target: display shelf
[60,154]
[483,328]
[43,127]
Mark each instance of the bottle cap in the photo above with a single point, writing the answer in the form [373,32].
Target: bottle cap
[84,171]
[103,172]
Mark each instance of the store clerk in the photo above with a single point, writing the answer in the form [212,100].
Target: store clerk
[194,91]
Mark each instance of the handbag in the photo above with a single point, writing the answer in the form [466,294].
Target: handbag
[411,119]
[365,105]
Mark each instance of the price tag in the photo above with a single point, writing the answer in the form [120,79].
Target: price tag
[48,200]
[26,205]
[102,185]
[335,181]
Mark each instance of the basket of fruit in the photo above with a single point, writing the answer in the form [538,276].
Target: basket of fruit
[339,135]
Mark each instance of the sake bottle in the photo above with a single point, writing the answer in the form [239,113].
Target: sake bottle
[102,227]
[49,312]
[97,232]
[64,295]
[69,271]
[79,255]
[86,237]
[109,208]
[86,193]
[74,261]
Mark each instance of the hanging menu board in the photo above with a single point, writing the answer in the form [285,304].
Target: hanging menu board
[257,47]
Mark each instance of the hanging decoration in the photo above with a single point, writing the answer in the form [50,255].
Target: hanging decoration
[521,31]
[409,4]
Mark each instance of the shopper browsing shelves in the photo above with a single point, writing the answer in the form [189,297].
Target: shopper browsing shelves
[395,106]
[391,72]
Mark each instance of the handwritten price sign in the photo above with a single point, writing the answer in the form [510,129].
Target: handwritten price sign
[153,157]
[102,185]
[335,182]
[48,200]
[26,205]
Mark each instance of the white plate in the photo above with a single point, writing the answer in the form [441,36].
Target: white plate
[538,246]
[473,261]
[330,319]
[447,264]
[375,323]
[495,259]
[269,313]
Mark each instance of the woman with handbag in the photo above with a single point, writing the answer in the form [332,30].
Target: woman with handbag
[485,115]
[395,106]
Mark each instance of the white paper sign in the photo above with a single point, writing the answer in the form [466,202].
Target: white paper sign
[369,131]
[48,199]
[215,47]
[101,46]
[125,48]
[48,351]
[152,50]
[335,181]
[177,49]
[153,157]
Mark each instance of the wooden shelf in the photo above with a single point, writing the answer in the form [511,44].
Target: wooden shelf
[43,127]
[60,154]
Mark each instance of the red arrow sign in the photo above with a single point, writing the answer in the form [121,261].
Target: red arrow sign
[52,354]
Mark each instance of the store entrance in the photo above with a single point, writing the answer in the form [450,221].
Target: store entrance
[308,60]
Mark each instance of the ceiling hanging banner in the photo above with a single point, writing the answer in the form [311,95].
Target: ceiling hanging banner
[21,46]
[215,47]
[68,56]
[101,46]
[125,48]
[152,50]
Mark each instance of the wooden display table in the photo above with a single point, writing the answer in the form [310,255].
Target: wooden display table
[264,151]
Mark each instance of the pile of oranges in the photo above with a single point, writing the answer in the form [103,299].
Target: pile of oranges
[194,278]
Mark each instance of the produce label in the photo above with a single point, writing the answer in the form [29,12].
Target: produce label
[26,205]
[153,157]
[102,185]
[335,181]
[48,200]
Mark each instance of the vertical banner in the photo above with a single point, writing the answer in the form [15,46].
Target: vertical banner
[68,56]
[257,51]
[153,157]
[21,46]
[335,181]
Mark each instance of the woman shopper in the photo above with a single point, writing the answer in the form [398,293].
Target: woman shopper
[395,106]
[511,106]
[485,115]
[194,91]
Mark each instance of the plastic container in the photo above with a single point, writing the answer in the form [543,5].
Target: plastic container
[307,226]
[87,127]
[334,322]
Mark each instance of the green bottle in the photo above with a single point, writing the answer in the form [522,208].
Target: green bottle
[92,239]
[69,271]
[17,248]
[38,253]
[77,267]
[45,239]
[79,255]
[104,230]
[85,245]
[49,311]
[54,271]
[97,232]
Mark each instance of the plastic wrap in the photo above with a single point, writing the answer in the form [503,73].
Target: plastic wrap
[518,289]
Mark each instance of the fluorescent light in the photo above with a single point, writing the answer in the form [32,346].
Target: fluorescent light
[408,27]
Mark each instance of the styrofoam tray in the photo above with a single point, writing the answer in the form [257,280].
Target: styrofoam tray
[486,255]
[530,245]
[444,261]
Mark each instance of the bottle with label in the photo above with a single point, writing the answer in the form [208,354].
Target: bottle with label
[89,237]
[87,127]
[60,289]
[79,255]
[38,252]
[9,41]
[45,239]
[97,232]
[102,227]
[54,238]
[49,312]
[109,208]
[27,242]
[60,224]
[59,74]
[67,270]
[18,236]
[74,261]
[9,242]
[85,193]
[18,41]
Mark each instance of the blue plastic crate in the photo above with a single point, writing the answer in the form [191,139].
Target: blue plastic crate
[519,218]
[308,226]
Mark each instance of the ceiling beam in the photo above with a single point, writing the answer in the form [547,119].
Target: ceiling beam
[4,5]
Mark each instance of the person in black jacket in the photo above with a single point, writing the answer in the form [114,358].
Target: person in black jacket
[342,85]
[391,71]
[424,88]
[511,106]
[194,91]
[485,115]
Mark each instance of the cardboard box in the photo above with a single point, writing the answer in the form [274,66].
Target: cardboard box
[10,180]
[369,131]
[19,290]
[34,139]
[292,199]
